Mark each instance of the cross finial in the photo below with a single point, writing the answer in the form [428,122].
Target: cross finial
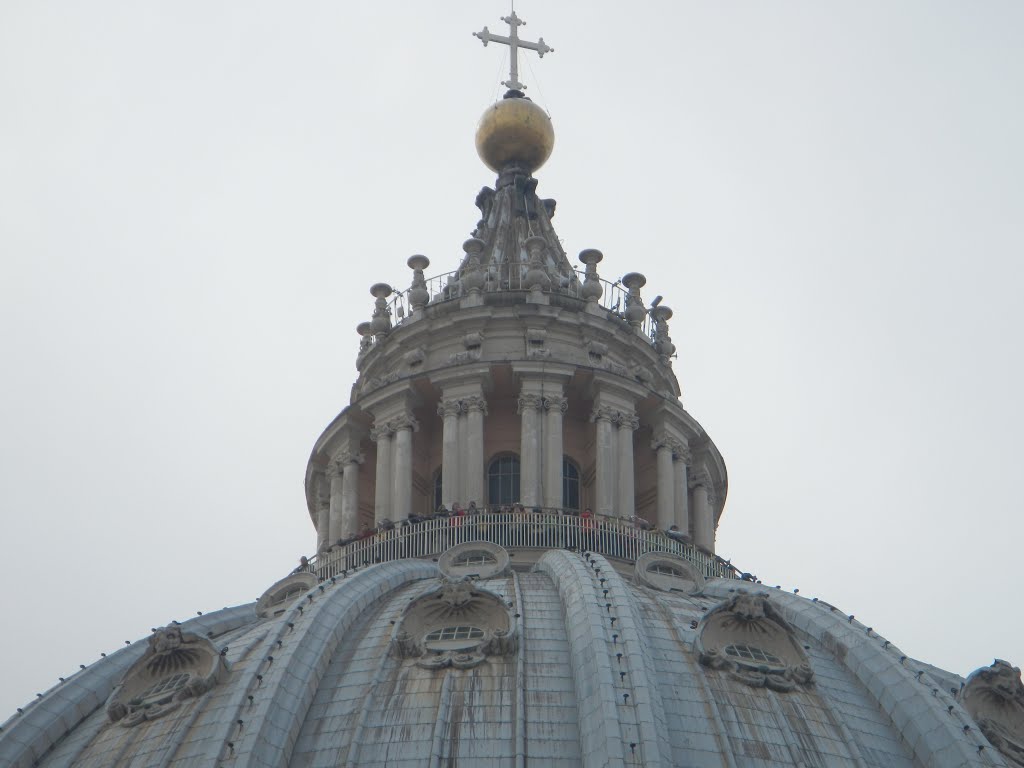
[514,43]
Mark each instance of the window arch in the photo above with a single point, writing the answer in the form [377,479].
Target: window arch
[503,480]
[570,484]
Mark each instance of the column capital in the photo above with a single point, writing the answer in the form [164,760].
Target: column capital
[383,431]
[662,440]
[334,469]
[348,457]
[404,421]
[474,403]
[529,401]
[603,413]
[450,407]
[556,403]
[701,478]
[627,420]
[681,453]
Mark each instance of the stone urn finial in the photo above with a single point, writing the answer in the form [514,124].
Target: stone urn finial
[472,275]
[537,277]
[380,323]
[634,311]
[662,341]
[592,289]
[418,293]
[366,332]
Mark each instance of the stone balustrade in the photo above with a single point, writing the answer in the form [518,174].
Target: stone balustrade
[612,537]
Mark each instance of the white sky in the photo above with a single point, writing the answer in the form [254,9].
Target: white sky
[196,196]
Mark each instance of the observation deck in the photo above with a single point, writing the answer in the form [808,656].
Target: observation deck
[520,533]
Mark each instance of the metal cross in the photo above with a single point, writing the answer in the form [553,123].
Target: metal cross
[513,42]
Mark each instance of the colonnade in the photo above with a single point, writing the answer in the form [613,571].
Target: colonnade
[541,445]
[541,406]
[393,497]
[338,514]
[462,449]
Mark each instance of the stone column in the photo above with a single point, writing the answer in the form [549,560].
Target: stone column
[662,444]
[606,481]
[554,407]
[473,466]
[401,499]
[350,493]
[335,471]
[323,513]
[449,410]
[703,512]
[627,501]
[381,434]
[683,460]
[529,449]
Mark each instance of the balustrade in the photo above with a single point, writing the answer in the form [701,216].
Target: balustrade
[612,537]
[448,287]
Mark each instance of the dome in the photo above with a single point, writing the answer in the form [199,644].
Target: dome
[576,660]
[516,564]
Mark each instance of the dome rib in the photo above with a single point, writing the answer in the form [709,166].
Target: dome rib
[292,678]
[606,736]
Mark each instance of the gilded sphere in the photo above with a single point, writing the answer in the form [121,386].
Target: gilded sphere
[515,131]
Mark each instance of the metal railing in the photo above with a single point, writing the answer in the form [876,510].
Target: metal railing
[609,536]
[512,278]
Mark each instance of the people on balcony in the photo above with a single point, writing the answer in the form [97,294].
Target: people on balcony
[674,533]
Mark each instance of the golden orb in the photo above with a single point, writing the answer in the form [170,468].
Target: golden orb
[515,131]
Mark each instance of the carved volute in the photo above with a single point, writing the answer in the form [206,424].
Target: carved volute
[994,697]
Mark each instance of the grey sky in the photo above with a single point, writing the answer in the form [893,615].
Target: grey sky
[195,198]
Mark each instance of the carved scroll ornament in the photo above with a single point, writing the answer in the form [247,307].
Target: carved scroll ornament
[994,697]
[177,666]
[747,638]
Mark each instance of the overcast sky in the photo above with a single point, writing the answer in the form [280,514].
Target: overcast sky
[196,196]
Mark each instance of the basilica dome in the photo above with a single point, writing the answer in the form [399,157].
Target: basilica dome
[516,563]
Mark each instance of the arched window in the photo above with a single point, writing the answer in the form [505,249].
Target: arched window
[570,484]
[503,480]
[436,495]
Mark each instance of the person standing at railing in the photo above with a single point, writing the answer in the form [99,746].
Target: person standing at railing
[587,526]
[676,535]
[303,565]
[472,523]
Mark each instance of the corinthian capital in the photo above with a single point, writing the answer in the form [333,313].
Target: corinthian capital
[662,440]
[529,402]
[451,407]
[474,403]
[556,403]
[349,457]
[405,421]
[334,469]
[382,432]
[701,478]
[627,420]
[604,413]
[681,453]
